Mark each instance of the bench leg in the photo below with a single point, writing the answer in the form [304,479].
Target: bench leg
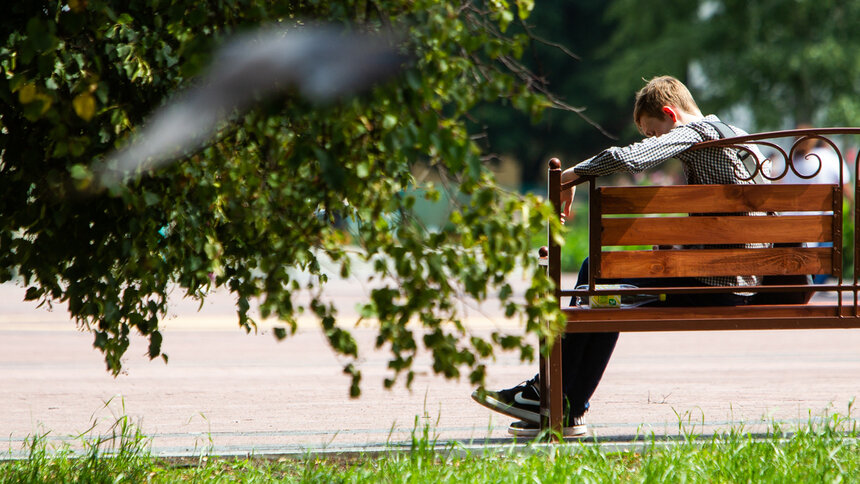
[551,390]
[543,359]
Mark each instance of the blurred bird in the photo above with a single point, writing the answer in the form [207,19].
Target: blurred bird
[322,62]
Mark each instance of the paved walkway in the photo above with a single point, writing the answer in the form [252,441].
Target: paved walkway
[231,393]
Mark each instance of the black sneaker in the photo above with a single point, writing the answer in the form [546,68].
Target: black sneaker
[521,401]
[575,428]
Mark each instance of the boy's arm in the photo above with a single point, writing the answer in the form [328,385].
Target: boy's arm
[631,158]
[640,156]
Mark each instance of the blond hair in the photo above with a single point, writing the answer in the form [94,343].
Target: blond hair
[662,91]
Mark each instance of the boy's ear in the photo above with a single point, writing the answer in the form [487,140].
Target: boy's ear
[670,112]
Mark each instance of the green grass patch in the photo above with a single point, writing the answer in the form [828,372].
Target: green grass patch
[823,450]
[120,455]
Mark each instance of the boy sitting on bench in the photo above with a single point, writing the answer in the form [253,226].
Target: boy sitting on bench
[667,114]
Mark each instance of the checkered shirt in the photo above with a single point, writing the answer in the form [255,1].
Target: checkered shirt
[704,166]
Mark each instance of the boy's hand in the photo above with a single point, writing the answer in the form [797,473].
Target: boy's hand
[567,195]
[566,202]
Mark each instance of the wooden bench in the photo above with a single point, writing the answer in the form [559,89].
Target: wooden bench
[625,222]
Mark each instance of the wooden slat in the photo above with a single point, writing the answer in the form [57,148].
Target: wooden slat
[730,324]
[806,316]
[714,262]
[716,198]
[716,230]
[811,310]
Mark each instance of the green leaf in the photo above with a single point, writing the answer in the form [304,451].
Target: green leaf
[32,294]
[155,340]
[151,199]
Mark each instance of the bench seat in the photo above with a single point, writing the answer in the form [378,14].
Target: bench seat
[818,314]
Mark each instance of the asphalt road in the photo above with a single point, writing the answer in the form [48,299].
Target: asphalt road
[228,392]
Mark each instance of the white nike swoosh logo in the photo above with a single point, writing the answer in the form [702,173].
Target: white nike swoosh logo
[519,398]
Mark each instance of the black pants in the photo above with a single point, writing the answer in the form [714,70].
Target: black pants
[585,355]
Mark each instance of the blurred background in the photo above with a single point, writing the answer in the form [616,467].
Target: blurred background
[762,65]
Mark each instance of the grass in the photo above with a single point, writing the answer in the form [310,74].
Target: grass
[824,450]
[121,455]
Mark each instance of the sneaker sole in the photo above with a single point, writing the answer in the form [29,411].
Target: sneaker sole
[506,409]
[575,431]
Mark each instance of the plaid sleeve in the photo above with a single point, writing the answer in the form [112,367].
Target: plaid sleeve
[640,156]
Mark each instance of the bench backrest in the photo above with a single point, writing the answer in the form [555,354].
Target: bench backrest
[703,217]
[791,219]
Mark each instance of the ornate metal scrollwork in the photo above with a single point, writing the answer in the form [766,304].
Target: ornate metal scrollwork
[799,153]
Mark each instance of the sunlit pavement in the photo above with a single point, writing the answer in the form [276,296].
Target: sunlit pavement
[227,392]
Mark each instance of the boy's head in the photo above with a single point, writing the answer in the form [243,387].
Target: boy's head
[653,100]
